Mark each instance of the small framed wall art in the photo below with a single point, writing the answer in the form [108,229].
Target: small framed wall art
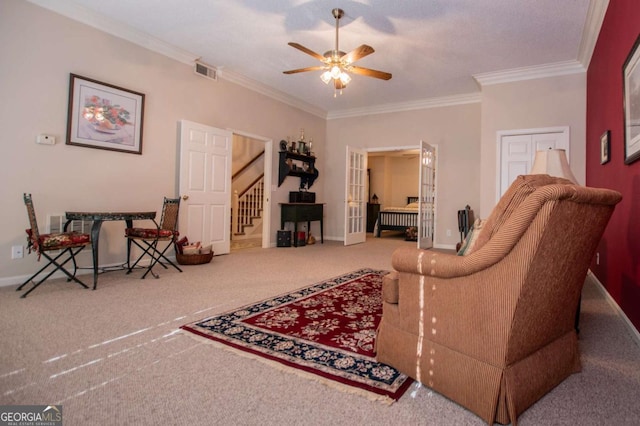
[104,116]
[605,147]
[631,83]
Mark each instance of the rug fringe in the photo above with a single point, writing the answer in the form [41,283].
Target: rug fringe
[291,370]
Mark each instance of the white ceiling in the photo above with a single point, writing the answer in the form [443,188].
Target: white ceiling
[433,48]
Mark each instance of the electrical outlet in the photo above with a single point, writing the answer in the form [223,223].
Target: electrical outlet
[17,252]
[448,232]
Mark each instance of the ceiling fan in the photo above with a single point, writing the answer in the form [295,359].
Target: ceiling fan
[337,64]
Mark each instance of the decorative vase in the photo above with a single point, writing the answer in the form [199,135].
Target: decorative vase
[311,239]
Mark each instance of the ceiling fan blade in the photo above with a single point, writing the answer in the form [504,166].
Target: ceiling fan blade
[357,53]
[370,73]
[316,68]
[308,51]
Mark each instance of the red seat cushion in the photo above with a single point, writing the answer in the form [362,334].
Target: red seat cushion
[149,233]
[59,240]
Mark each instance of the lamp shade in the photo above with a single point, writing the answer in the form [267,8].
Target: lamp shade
[552,162]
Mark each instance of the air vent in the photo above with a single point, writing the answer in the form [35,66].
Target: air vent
[55,223]
[205,71]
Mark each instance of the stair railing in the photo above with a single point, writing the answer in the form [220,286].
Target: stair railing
[247,206]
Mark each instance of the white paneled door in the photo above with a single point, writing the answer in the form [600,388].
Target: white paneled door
[355,202]
[205,185]
[518,149]
[427,196]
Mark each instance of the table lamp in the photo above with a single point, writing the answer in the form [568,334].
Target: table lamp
[552,162]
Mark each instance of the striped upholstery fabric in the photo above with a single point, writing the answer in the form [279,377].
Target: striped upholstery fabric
[519,190]
[494,330]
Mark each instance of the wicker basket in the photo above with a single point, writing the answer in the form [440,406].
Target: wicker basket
[194,259]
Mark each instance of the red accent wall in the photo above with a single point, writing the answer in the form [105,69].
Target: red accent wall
[619,268]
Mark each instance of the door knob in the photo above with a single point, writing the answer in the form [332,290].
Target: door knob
[185,197]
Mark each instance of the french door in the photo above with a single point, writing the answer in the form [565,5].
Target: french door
[355,201]
[427,196]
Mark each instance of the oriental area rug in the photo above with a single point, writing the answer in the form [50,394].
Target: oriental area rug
[325,331]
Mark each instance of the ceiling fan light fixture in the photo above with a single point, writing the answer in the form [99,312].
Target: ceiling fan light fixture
[336,63]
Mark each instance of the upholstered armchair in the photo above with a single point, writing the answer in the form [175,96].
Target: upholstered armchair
[494,330]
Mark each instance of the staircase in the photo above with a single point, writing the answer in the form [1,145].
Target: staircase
[246,220]
[247,200]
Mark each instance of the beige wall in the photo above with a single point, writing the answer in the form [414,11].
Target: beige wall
[377,180]
[400,173]
[454,129]
[540,103]
[39,49]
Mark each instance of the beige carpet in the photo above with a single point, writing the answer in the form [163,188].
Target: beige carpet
[115,356]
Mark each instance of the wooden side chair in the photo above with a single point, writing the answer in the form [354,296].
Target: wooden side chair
[57,248]
[147,239]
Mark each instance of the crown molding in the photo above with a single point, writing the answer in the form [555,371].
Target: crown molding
[88,17]
[530,73]
[117,29]
[468,98]
[593,24]
[595,16]
[256,86]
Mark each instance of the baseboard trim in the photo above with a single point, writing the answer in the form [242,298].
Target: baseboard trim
[19,279]
[625,319]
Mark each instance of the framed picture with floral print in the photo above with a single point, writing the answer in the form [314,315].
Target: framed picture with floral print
[104,116]
[631,82]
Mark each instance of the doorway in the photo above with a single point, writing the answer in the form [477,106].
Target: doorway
[204,182]
[403,180]
[251,186]
[392,176]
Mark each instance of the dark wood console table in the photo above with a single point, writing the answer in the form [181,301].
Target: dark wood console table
[302,212]
[97,218]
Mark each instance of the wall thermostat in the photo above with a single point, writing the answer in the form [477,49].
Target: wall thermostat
[46,139]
